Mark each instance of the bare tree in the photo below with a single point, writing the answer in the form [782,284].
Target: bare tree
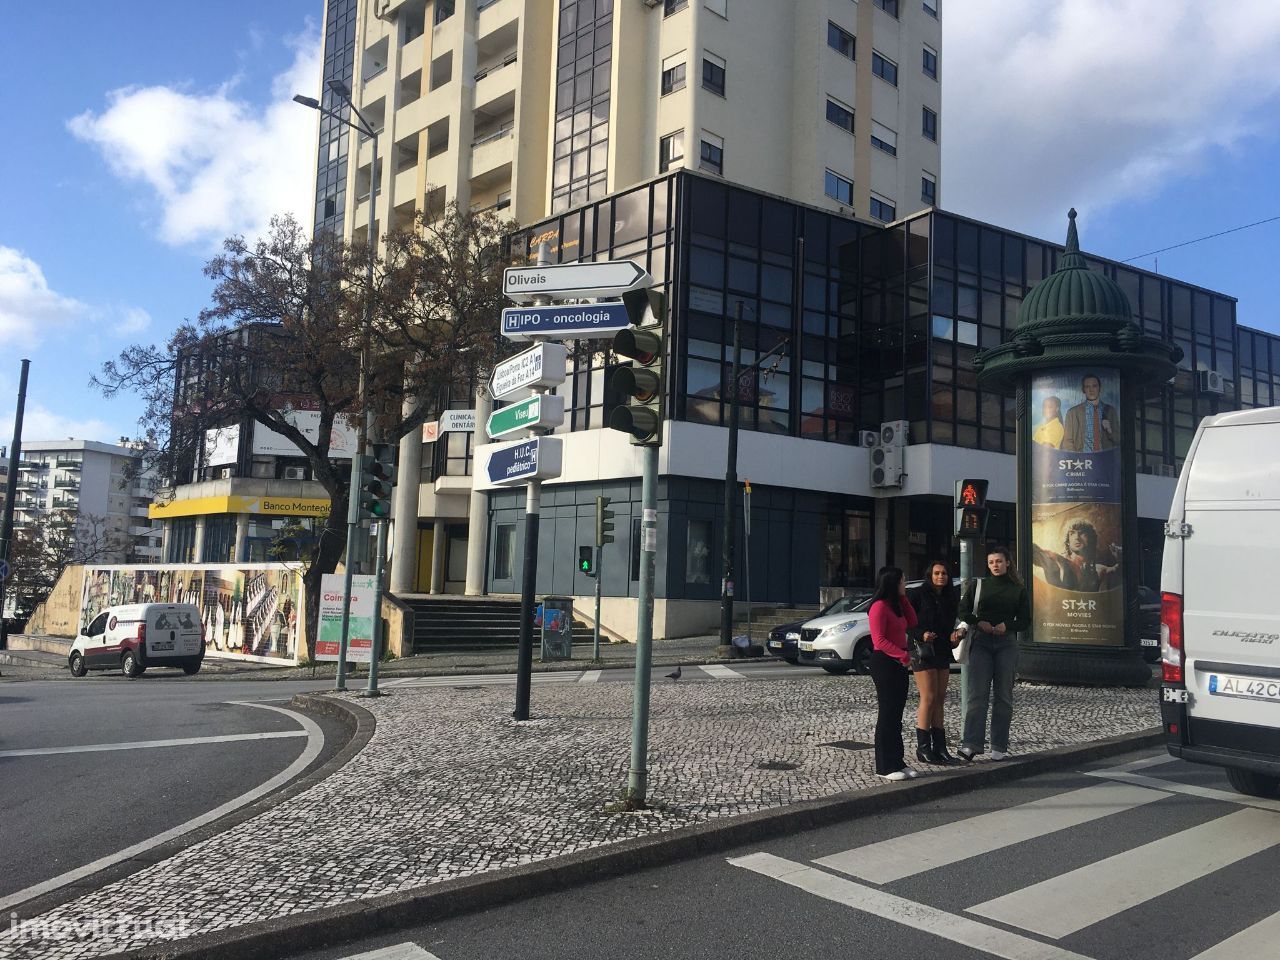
[49,544]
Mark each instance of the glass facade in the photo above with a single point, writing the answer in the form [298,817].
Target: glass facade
[581,152]
[331,163]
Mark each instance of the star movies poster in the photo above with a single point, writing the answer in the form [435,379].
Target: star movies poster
[1078,593]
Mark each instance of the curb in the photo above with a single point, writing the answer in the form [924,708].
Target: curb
[268,940]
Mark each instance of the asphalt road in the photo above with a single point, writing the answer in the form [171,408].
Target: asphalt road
[1145,859]
[64,806]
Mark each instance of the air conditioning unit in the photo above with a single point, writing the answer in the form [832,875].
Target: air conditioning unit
[1168,470]
[226,473]
[1211,381]
[889,455]
[868,438]
[294,473]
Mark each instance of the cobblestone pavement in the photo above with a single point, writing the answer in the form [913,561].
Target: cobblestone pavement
[455,787]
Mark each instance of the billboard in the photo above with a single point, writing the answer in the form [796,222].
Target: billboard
[359,620]
[249,611]
[1077,592]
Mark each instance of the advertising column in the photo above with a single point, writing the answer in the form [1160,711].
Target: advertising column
[1077,507]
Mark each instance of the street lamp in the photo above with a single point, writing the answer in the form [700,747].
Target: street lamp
[341,90]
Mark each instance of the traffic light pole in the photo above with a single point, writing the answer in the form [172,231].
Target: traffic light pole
[637,781]
[10,490]
[595,640]
[731,487]
[966,572]
[375,646]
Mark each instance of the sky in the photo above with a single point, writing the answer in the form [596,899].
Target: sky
[150,134]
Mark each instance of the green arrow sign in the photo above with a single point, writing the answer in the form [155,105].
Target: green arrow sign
[542,411]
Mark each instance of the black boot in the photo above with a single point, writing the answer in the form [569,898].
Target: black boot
[940,747]
[924,747]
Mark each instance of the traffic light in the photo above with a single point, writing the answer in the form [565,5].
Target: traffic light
[645,345]
[971,508]
[587,561]
[377,478]
[604,522]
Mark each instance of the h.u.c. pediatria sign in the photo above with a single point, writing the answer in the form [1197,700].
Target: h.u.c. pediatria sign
[538,458]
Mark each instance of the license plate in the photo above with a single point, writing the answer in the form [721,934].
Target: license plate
[1150,642]
[806,645]
[1246,688]
[774,643]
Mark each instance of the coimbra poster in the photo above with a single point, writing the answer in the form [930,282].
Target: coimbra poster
[1078,593]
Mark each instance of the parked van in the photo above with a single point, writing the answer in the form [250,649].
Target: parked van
[1219,612]
[140,635]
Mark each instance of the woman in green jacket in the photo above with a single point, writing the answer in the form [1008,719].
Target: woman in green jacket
[1002,609]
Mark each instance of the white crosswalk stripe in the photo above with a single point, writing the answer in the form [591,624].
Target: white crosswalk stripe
[718,671]
[1256,941]
[401,951]
[489,679]
[590,676]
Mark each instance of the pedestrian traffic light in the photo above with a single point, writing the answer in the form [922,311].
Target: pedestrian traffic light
[645,345]
[377,478]
[971,509]
[587,561]
[604,522]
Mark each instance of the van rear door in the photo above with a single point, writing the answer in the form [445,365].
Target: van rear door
[173,630]
[1231,579]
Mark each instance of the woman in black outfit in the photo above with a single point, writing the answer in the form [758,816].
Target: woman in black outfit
[935,602]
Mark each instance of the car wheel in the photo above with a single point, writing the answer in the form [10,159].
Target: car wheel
[1252,784]
[862,655]
[129,665]
[191,669]
[838,671]
[78,668]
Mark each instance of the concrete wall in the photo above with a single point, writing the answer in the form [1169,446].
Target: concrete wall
[59,615]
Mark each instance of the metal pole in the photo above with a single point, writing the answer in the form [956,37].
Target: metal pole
[380,545]
[637,782]
[362,435]
[746,554]
[11,491]
[595,647]
[966,572]
[730,486]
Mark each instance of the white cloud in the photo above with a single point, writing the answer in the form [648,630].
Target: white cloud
[41,423]
[1049,104]
[217,164]
[29,309]
[131,320]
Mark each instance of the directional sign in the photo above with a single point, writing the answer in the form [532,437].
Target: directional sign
[458,421]
[593,321]
[540,366]
[542,411]
[580,281]
[538,458]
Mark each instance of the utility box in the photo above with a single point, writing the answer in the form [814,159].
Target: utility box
[554,615]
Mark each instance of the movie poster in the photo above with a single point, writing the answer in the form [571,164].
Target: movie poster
[1076,525]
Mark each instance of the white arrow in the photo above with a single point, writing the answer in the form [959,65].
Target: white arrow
[579,281]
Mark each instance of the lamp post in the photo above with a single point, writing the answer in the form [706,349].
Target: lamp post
[340,89]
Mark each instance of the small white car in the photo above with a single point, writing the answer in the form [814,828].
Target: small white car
[136,636]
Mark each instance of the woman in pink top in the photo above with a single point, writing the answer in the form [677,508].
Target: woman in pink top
[891,615]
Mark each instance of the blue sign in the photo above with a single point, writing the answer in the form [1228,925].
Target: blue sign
[590,321]
[538,458]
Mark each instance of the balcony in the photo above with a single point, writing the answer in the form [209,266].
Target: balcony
[67,483]
[28,483]
[65,503]
[70,463]
[31,464]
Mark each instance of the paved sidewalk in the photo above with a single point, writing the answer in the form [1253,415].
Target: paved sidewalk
[449,786]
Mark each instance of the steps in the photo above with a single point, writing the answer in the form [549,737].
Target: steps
[764,619]
[445,623]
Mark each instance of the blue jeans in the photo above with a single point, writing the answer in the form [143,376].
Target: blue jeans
[988,679]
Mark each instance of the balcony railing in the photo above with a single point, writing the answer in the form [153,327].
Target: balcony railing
[507,61]
[70,463]
[30,464]
[65,503]
[67,483]
[490,137]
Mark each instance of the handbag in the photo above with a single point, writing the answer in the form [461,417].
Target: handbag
[921,650]
[961,652]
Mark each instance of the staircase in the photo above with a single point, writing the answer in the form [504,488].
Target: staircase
[451,623]
[764,619]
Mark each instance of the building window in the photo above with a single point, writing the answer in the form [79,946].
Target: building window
[504,200]
[928,189]
[444,10]
[670,150]
[673,6]
[886,70]
[839,189]
[698,552]
[711,156]
[930,63]
[840,116]
[882,138]
[931,8]
[841,41]
[882,209]
[719,7]
[504,551]
[713,73]
[929,124]
[672,75]
[889,6]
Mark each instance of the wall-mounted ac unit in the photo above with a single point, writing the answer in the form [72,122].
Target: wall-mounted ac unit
[888,457]
[294,473]
[1211,381]
[868,438]
[226,473]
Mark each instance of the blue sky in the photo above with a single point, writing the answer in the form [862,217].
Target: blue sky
[149,134]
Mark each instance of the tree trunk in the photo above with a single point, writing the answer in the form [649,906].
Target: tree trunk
[333,542]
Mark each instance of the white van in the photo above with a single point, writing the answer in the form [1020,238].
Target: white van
[140,635]
[1220,602]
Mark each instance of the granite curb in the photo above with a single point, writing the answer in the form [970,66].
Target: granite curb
[269,940]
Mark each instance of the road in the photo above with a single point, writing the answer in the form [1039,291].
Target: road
[1138,858]
[740,670]
[83,778]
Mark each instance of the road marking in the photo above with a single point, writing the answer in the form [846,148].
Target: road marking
[1189,789]
[917,916]
[720,672]
[1072,901]
[151,744]
[315,743]
[489,679]
[590,676]
[401,951]
[1255,941]
[1143,762]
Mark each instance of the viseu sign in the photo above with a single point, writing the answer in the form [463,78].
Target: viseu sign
[542,412]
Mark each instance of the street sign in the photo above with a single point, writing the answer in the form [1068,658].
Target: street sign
[592,321]
[543,411]
[458,421]
[538,458]
[580,281]
[540,366]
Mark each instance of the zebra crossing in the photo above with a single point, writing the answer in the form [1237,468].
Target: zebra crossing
[1029,923]
[712,671]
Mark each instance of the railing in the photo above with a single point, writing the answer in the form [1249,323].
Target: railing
[70,463]
[30,464]
[64,483]
[64,503]
[484,5]
[495,67]
[490,137]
